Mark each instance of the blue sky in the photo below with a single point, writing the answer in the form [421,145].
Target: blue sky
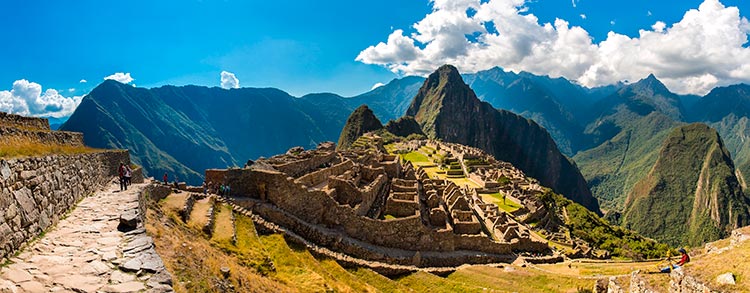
[298,46]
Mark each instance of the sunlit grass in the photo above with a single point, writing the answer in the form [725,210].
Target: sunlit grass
[416,157]
[32,149]
[497,198]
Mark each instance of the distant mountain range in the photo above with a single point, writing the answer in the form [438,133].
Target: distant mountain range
[614,134]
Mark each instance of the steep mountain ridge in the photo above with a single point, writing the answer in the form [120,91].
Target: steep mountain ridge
[448,109]
[184,130]
[691,195]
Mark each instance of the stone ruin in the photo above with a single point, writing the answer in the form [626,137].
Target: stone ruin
[372,206]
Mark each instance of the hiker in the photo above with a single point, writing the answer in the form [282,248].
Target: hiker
[165,178]
[227,189]
[128,175]
[176,183]
[205,188]
[683,260]
[221,189]
[121,173]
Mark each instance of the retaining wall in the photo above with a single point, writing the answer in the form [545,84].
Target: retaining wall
[35,192]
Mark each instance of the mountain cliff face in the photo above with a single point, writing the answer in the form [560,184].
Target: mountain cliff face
[361,121]
[691,195]
[447,109]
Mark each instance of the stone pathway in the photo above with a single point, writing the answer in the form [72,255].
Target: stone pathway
[85,252]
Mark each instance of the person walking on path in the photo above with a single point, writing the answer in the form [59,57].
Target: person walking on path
[121,173]
[128,175]
[165,178]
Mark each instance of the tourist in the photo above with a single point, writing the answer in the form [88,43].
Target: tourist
[205,188]
[221,189]
[128,175]
[176,185]
[683,260]
[165,178]
[227,190]
[121,174]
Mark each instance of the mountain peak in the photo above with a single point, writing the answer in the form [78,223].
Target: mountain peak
[651,83]
[361,121]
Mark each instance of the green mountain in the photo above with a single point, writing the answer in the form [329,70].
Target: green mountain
[185,130]
[404,126]
[447,109]
[361,121]
[727,109]
[691,194]
[549,102]
[629,127]
[616,112]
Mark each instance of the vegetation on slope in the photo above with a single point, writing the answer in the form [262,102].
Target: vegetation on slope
[691,195]
[361,121]
[613,168]
[600,233]
[32,149]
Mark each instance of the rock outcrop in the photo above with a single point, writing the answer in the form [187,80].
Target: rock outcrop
[691,195]
[404,126]
[447,109]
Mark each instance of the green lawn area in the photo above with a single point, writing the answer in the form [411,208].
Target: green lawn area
[416,157]
[497,198]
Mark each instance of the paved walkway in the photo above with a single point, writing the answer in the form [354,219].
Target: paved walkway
[85,252]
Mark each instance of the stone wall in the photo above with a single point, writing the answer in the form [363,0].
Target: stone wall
[35,192]
[313,178]
[318,208]
[24,122]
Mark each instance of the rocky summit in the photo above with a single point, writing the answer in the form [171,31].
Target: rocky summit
[448,109]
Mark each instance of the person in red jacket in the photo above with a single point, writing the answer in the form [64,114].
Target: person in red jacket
[683,260]
[165,178]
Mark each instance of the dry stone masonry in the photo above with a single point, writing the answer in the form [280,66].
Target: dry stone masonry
[35,192]
[375,207]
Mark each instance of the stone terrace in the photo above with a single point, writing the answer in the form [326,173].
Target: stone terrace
[389,210]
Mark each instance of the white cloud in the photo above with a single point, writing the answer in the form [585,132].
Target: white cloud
[229,81]
[611,22]
[26,98]
[83,81]
[575,3]
[649,13]
[702,50]
[377,85]
[121,77]
[583,16]
[659,26]
[70,90]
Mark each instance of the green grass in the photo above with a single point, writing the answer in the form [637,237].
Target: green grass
[416,157]
[497,198]
[33,149]
[388,217]
[223,226]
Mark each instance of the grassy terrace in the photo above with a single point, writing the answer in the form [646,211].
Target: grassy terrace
[33,149]
[497,198]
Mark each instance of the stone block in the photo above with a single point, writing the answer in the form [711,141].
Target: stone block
[129,220]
